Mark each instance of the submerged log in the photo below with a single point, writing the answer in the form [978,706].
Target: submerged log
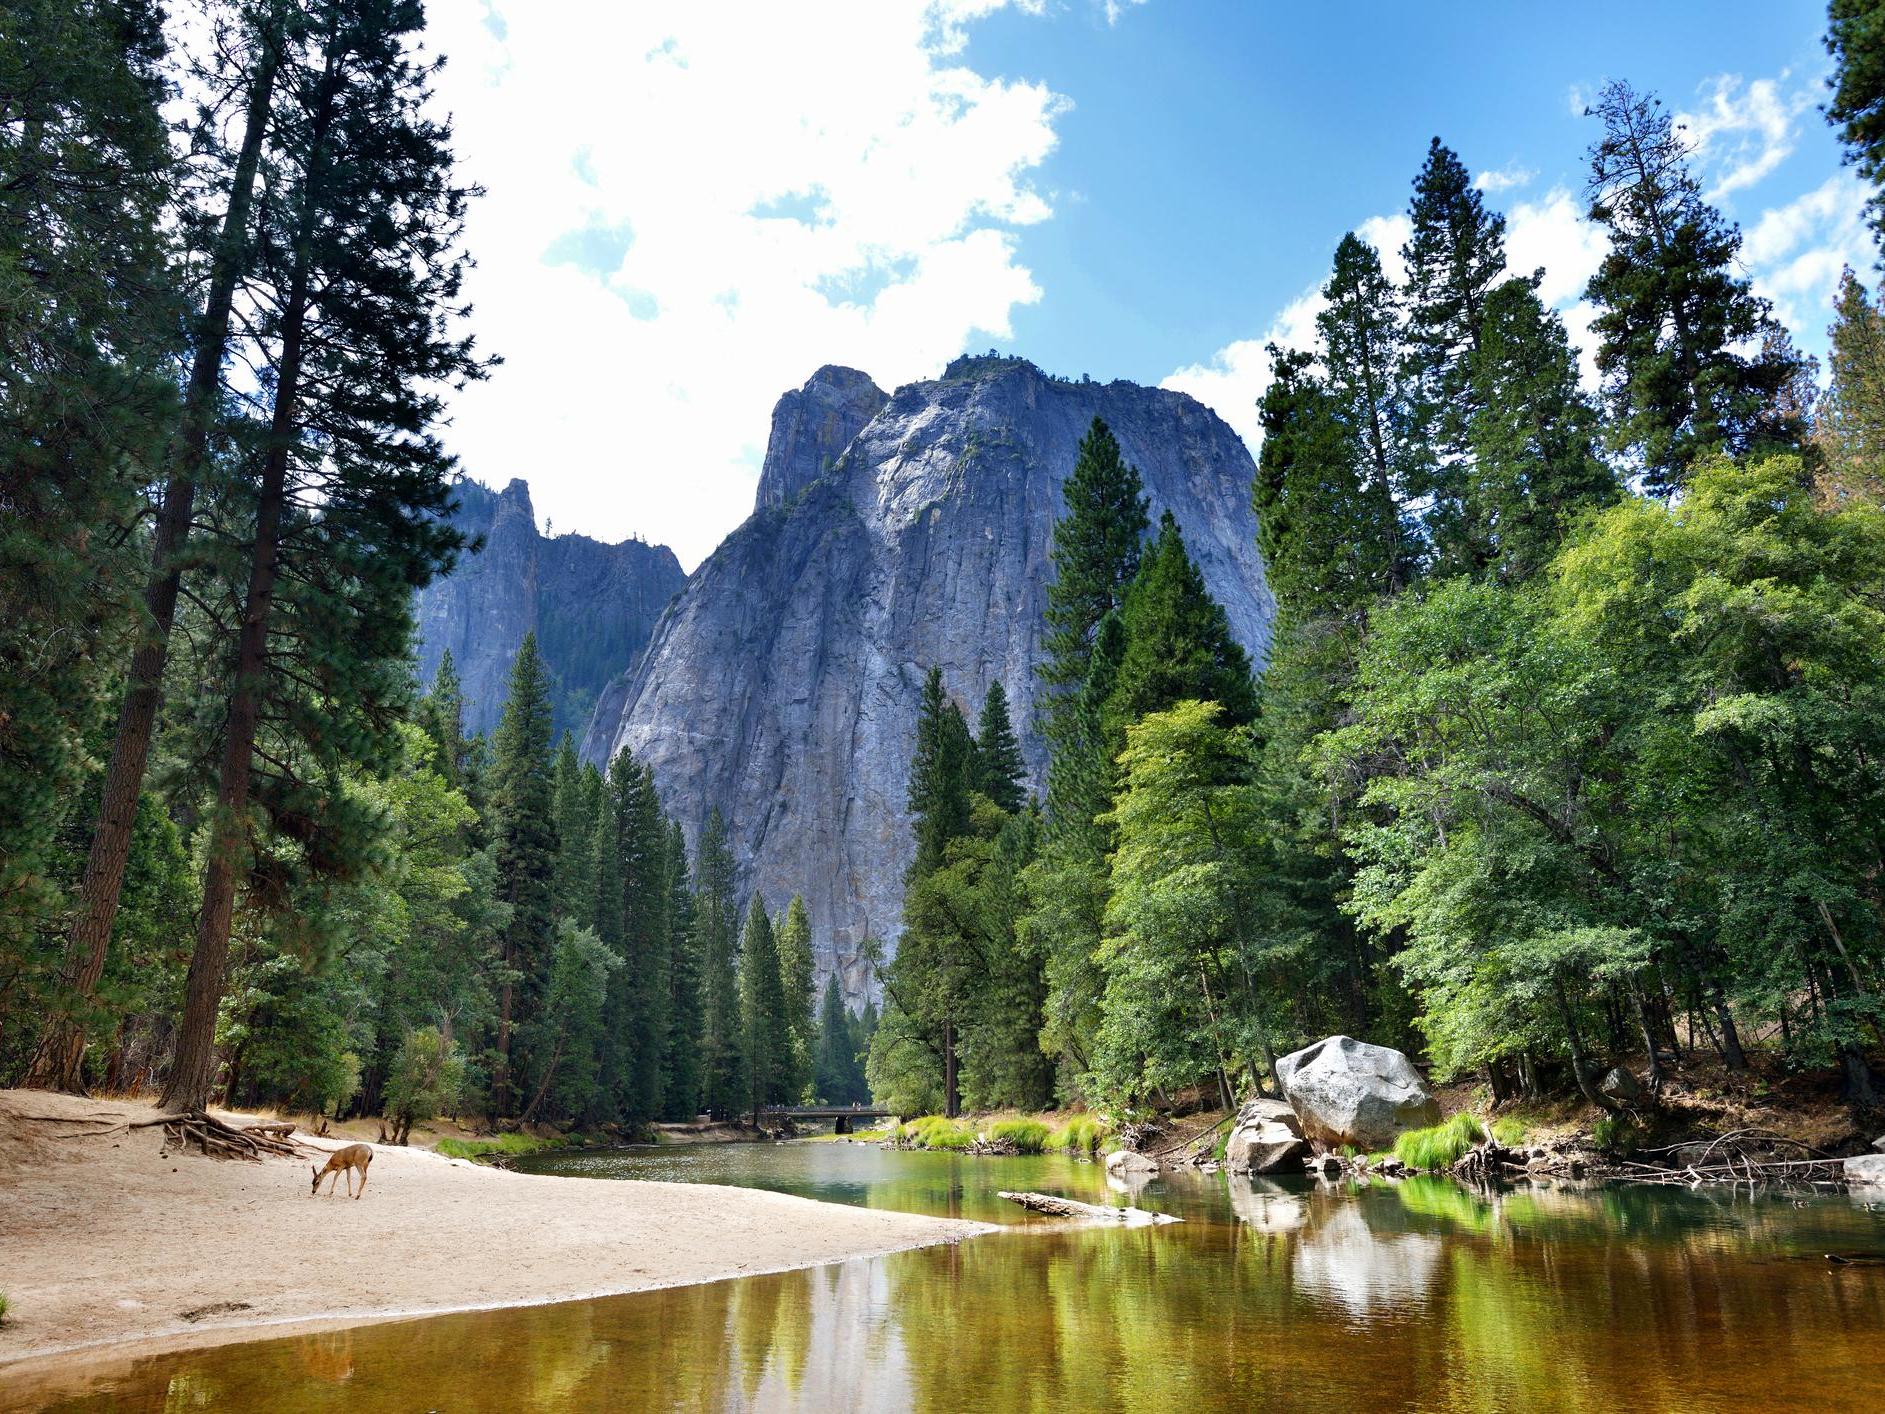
[1057,1207]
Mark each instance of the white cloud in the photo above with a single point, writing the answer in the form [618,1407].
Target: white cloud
[689,209]
[1505,178]
[1232,382]
[1796,252]
[1743,132]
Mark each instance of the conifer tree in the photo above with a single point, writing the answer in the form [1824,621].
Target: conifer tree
[1534,436]
[1855,37]
[837,1079]
[640,1020]
[939,775]
[1329,544]
[442,714]
[796,978]
[1454,256]
[98,137]
[1095,555]
[1674,314]
[1364,353]
[1851,423]
[680,1085]
[573,887]
[767,1026]
[344,515]
[716,923]
[524,834]
[999,768]
[1178,642]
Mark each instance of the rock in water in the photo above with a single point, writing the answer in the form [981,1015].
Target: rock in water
[1350,1092]
[1122,1163]
[1865,1170]
[591,605]
[782,686]
[1265,1137]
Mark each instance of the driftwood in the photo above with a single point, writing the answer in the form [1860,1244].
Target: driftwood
[1058,1207]
[209,1134]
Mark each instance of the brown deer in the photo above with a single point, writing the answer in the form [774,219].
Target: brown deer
[354,1156]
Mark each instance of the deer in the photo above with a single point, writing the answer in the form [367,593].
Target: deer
[344,1161]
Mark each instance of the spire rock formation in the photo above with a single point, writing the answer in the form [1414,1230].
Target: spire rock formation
[591,605]
[782,686]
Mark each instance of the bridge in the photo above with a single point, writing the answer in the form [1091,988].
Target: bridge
[842,1116]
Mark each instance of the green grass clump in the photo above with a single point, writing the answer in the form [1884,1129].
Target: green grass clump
[938,1132]
[3,1306]
[1029,1136]
[1508,1133]
[505,1146]
[1441,1146]
[1616,1134]
[1083,1134]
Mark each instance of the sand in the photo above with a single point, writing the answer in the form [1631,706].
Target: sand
[107,1241]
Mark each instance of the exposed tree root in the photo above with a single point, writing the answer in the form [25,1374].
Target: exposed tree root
[192,1127]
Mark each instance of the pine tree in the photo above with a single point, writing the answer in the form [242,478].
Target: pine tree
[680,1085]
[1329,545]
[939,776]
[1855,37]
[573,887]
[1851,429]
[640,1021]
[1178,642]
[1534,436]
[1364,353]
[764,1019]
[1095,555]
[524,835]
[716,919]
[796,977]
[1454,256]
[1673,312]
[838,1078]
[357,325]
[442,714]
[999,769]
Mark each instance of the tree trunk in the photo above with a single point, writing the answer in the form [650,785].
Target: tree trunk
[501,1072]
[59,1061]
[952,1098]
[194,1068]
[1731,1051]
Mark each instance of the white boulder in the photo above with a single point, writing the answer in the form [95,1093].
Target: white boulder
[1265,1137]
[1345,1091]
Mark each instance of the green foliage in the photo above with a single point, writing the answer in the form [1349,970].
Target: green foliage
[716,924]
[998,769]
[796,981]
[1851,417]
[1616,1135]
[425,1076]
[504,1146]
[1855,37]
[763,1012]
[1028,1136]
[938,1132]
[1443,1145]
[1081,1134]
[1674,313]
[1507,1132]
[838,1075]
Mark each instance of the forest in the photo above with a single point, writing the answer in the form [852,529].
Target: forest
[1568,744]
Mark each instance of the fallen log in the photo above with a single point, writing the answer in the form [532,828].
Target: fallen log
[1055,1206]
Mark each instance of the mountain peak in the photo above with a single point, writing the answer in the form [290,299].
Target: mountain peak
[811,427]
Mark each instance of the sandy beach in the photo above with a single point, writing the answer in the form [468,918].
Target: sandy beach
[106,1241]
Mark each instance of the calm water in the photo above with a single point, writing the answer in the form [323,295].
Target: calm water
[1269,1295]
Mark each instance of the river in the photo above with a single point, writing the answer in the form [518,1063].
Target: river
[1288,1294]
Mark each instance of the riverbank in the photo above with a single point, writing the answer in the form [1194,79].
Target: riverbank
[106,1240]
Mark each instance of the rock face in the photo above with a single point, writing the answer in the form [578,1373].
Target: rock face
[782,686]
[1266,1136]
[592,606]
[811,428]
[1349,1092]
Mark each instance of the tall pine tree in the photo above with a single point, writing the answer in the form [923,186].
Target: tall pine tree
[716,925]
[999,768]
[797,979]
[681,1074]
[766,1026]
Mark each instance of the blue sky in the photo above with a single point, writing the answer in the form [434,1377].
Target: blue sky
[690,207]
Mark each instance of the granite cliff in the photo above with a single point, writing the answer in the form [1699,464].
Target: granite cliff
[592,606]
[782,685]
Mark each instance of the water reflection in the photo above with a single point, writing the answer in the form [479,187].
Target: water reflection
[1274,1294]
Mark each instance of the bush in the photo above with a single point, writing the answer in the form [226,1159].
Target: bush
[3,1308]
[1615,1134]
[425,1076]
[1083,1134]
[1441,1146]
[1029,1136]
[1508,1133]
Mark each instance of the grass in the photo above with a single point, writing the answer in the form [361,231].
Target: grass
[937,1132]
[505,1146]
[1507,1132]
[3,1307]
[1083,1134]
[1441,1146]
[1029,1136]
[1616,1134]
